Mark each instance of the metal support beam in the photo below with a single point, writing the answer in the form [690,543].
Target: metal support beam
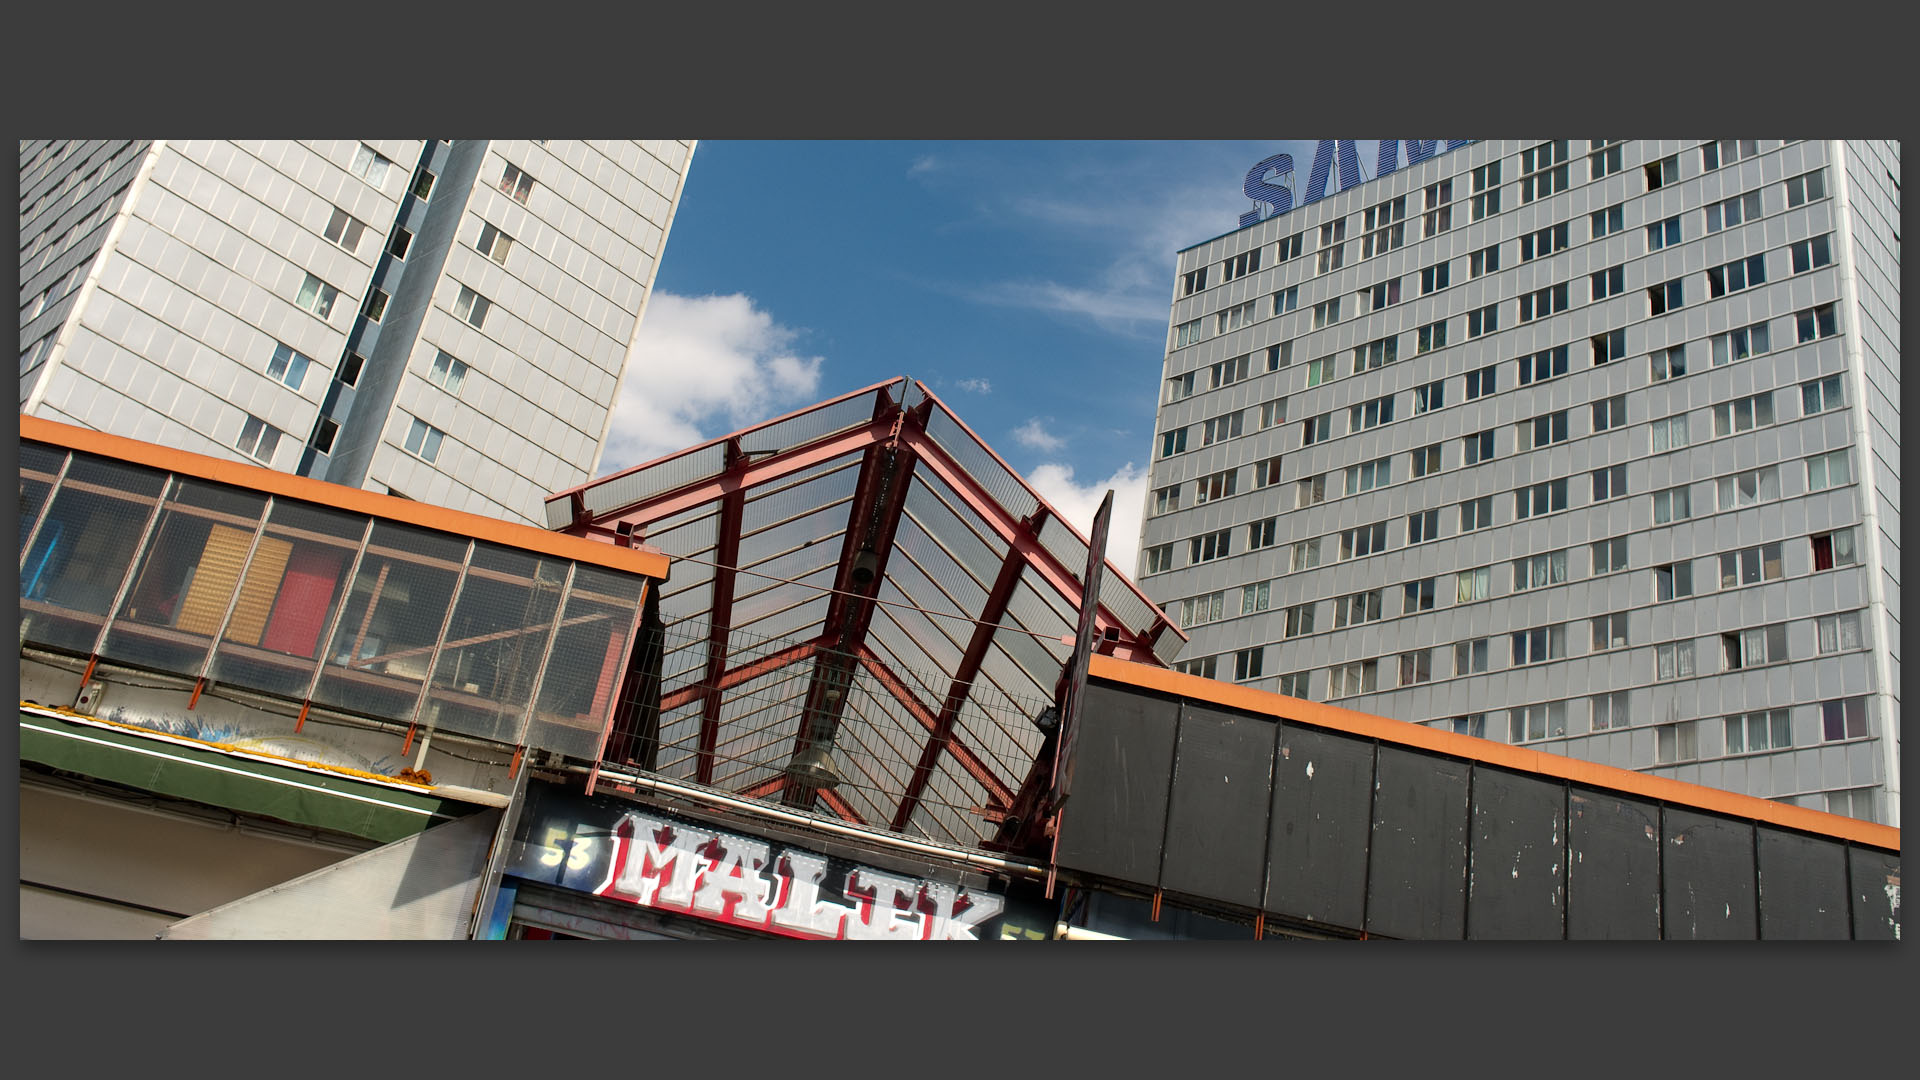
[720,613]
[998,794]
[768,664]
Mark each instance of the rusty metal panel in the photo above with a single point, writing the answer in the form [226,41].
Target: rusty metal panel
[1876,894]
[1516,873]
[1803,887]
[1613,868]
[1707,887]
[1317,841]
[1115,822]
[1217,813]
[1417,872]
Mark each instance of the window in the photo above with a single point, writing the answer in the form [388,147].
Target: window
[1483,381]
[1604,163]
[1726,152]
[1416,596]
[1234,318]
[1286,300]
[1376,354]
[1812,254]
[1757,647]
[401,241]
[1290,248]
[1426,460]
[1843,719]
[1205,667]
[1279,356]
[1359,677]
[1740,344]
[317,296]
[1359,608]
[1543,302]
[1815,323]
[1673,581]
[1381,295]
[1227,372]
[1610,711]
[1663,172]
[376,304]
[1423,526]
[1429,396]
[1316,429]
[1320,371]
[424,439]
[324,434]
[1608,221]
[422,185]
[345,230]
[1309,491]
[258,440]
[287,366]
[1743,414]
[1200,610]
[1538,245]
[1477,448]
[1662,234]
[1770,730]
[1247,262]
[1273,413]
[349,373]
[1294,685]
[1609,413]
[1673,660]
[1165,500]
[1734,276]
[1669,363]
[1609,282]
[1246,663]
[1180,387]
[1821,395]
[1484,261]
[1386,228]
[370,166]
[1363,541]
[1173,442]
[1483,320]
[1476,513]
[1305,554]
[1416,667]
[1486,190]
[1609,346]
[1159,559]
[472,307]
[1370,414]
[1298,620]
[1676,742]
[1221,428]
[1432,336]
[1470,657]
[1545,178]
[1539,571]
[1193,281]
[1672,504]
[1436,277]
[494,244]
[1475,584]
[1211,546]
[1834,549]
[1213,486]
[1839,633]
[1748,488]
[1541,431]
[1326,313]
[1749,566]
[1255,598]
[1830,469]
[1186,334]
[1544,364]
[1260,535]
[447,373]
[1369,475]
[1532,722]
[1537,499]
[1806,188]
[1727,213]
[1668,296]
[1333,253]
[516,183]
[1610,632]
[1609,556]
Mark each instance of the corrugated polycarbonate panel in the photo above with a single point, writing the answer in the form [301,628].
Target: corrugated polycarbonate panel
[1010,678]
[1005,488]
[928,638]
[761,514]
[624,490]
[1033,656]
[689,601]
[694,536]
[810,425]
[1123,602]
[188,577]
[1067,549]
[798,623]
[849,461]
[906,660]
[958,593]
[1168,646]
[991,740]
[777,597]
[954,795]
[495,642]
[377,660]
[1029,608]
[574,703]
[827,523]
[781,571]
[966,544]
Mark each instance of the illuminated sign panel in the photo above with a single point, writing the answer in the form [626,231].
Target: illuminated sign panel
[1279,198]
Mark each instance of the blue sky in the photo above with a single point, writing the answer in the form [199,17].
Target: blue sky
[1027,282]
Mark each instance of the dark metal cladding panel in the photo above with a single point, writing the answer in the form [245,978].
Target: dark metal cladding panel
[1317,842]
[1417,881]
[1876,894]
[1803,887]
[1217,815]
[1113,824]
[1707,878]
[1613,868]
[1516,873]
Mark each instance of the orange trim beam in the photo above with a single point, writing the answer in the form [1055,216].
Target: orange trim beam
[649,562]
[1538,763]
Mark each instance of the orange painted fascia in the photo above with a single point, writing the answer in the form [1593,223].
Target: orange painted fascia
[1585,773]
[646,561]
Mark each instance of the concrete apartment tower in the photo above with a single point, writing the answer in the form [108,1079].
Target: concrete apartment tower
[1589,445]
[447,320]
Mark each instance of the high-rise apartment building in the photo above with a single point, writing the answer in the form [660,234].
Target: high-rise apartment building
[1587,445]
[447,320]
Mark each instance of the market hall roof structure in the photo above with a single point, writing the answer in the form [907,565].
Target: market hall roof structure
[865,595]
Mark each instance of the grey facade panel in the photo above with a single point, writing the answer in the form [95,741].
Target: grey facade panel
[1216,839]
[1613,867]
[1516,880]
[1321,821]
[1417,877]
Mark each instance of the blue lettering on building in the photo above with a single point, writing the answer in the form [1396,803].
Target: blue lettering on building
[1328,153]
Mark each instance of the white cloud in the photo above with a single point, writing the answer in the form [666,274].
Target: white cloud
[975,386]
[1034,435]
[925,163]
[703,366]
[1079,503]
